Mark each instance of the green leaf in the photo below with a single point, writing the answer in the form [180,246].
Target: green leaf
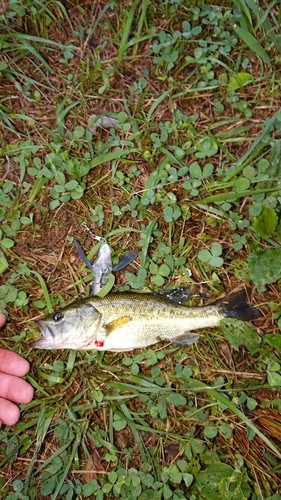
[71,185]
[274,379]
[210,431]
[264,267]
[135,369]
[168,214]
[107,488]
[7,243]
[164,270]
[195,171]
[18,485]
[182,465]
[175,475]
[273,339]
[119,423]
[204,255]
[266,223]
[176,399]
[255,209]
[167,492]
[208,481]
[3,263]
[216,249]
[241,184]
[206,147]
[216,261]
[54,204]
[225,430]
[240,334]
[8,187]
[78,132]
[48,487]
[153,268]
[151,358]
[208,170]
[25,220]
[251,403]
[127,361]
[239,80]
[198,445]
[158,280]
[89,489]
[188,479]
[148,480]
[60,177]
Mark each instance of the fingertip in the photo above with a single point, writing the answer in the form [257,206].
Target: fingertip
[24,367]
[13,416]
[27,394]
[13,363]
[9,412]
[2,319]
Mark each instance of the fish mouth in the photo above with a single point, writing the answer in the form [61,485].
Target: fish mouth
[48,336]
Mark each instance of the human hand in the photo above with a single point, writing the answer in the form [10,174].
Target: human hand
[12,388]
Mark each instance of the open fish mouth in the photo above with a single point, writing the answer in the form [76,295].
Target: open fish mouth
[46,330]
[48,335]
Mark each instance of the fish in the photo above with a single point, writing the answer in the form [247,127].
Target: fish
[124,321]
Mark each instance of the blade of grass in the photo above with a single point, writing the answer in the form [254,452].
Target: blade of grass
[36,188]
[117,154]
[253,44]
[142,19]
[76,444]
[33,38]
[148,232]
[231,197]
[43,288]
[45,418]
[258,144]
[136,433]
[126,29]
[156,103]
[198,385]
[38,56]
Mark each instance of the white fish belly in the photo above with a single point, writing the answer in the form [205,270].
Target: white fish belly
[140,334]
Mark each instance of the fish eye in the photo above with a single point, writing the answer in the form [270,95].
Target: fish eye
[57,317]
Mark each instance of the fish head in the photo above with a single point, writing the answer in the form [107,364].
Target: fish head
[74,327]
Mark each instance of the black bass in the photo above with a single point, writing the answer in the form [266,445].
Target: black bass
[126,321]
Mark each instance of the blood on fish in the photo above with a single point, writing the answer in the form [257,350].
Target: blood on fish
[99,343]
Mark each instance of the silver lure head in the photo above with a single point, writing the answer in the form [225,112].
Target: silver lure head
[103,263]
[74,327]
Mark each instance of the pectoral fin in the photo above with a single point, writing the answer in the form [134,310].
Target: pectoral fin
[186,338]
[117,323]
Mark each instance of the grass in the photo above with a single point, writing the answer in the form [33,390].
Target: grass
[187,171]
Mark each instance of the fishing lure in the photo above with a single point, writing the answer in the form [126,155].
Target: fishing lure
[103,267]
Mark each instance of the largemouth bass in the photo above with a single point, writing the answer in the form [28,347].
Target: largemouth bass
[126,321]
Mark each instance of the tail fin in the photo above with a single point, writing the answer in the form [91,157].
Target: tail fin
[237,306]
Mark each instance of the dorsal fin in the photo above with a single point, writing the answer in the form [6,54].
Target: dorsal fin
[177,295]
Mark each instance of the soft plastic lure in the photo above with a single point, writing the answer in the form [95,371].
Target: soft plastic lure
[103,267]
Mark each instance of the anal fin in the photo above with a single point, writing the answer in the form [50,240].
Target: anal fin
[186,338]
